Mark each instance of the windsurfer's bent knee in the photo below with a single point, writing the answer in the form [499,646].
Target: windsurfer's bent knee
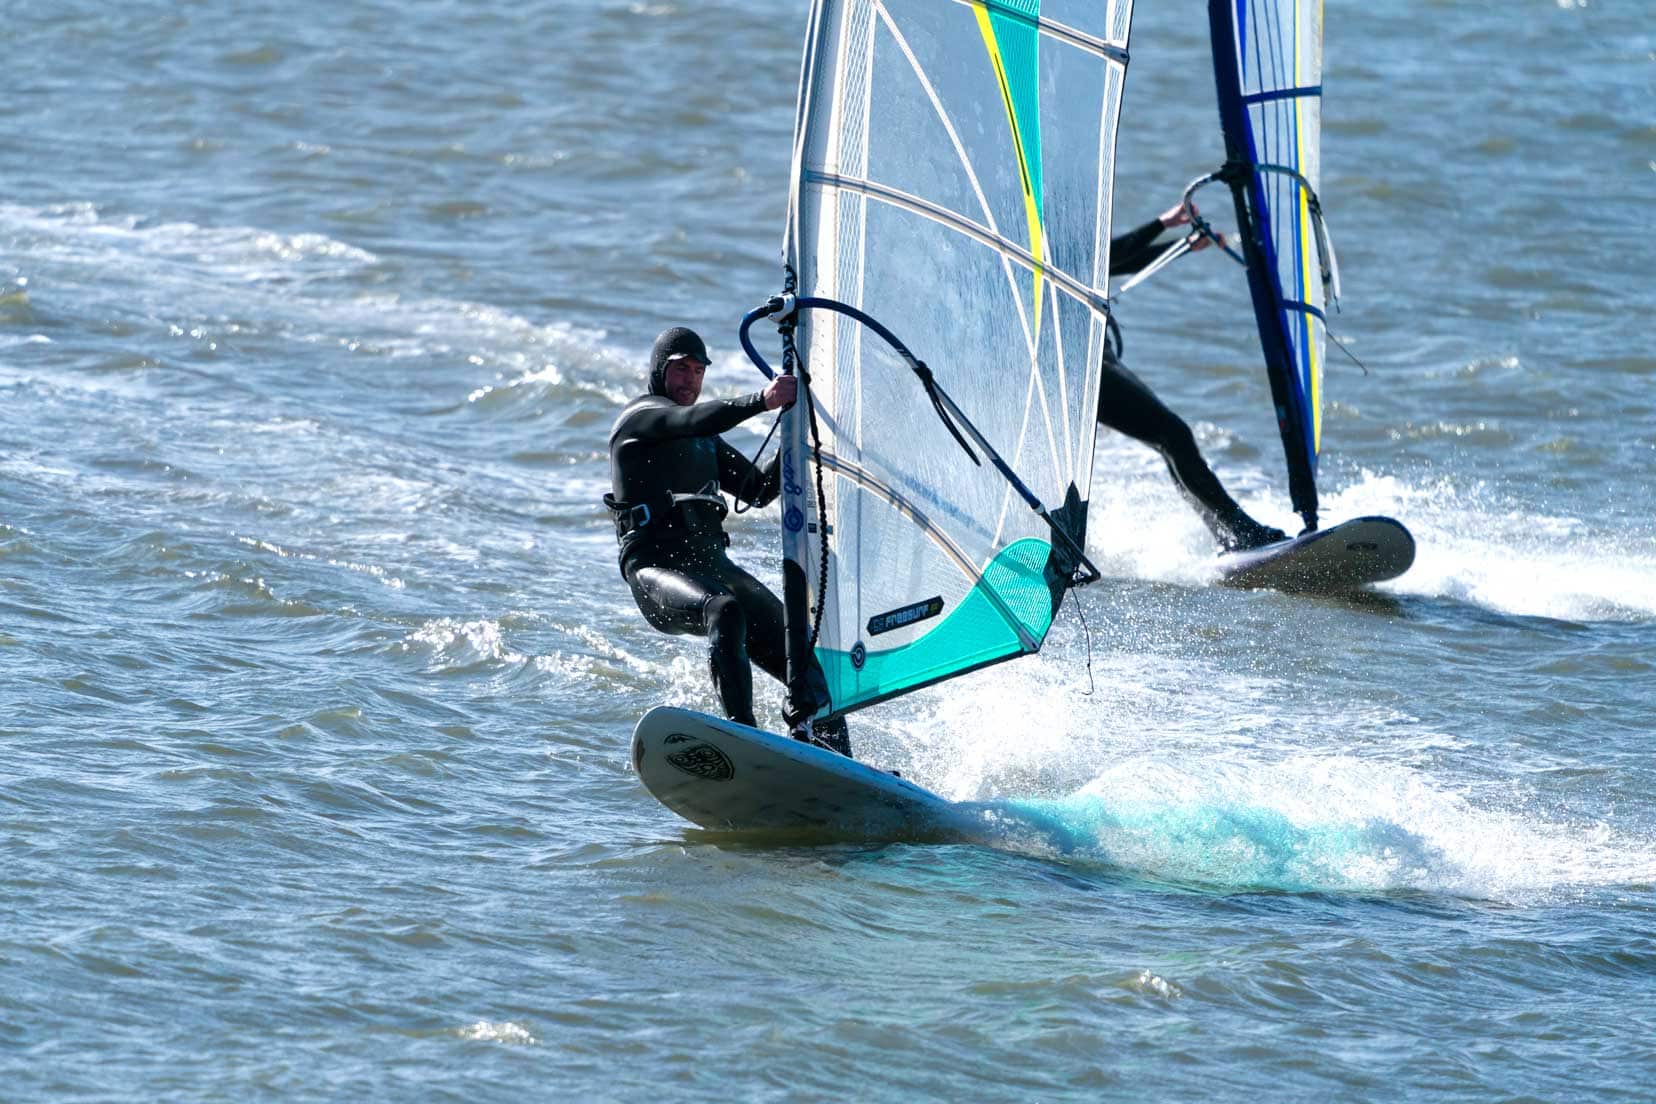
[669,471]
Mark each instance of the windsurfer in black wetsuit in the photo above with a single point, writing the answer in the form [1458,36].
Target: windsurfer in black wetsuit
[1126,405]
[668,468]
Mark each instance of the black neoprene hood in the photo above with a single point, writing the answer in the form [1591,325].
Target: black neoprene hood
[678,341]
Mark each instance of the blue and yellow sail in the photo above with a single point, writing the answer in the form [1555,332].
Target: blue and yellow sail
[1267,58]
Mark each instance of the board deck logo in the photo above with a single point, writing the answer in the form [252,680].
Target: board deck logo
[700,760]
[908,615]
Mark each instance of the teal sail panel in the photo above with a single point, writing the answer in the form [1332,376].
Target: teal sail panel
[952,178]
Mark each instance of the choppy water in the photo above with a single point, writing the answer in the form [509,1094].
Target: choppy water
[318,679]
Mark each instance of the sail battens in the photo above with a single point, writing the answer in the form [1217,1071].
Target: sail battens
[1282,94]
[983,207]
[952,181]
[1076,289]
[905,506]
[1305,308]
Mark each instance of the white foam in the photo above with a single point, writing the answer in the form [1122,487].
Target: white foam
[504,1032]
[1480,546]
[462,642]
[80,232]
[1182,770]
[1473,543]
[1140,526]
[177,270]
[1333,823]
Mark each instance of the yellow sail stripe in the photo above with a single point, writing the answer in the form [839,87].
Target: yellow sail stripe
[1306,232]
[1031,211]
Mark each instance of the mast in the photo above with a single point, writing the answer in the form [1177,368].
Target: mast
[798,623]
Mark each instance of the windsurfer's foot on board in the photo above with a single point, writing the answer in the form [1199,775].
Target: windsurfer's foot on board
[829,732]
[1127,405]
[668,467]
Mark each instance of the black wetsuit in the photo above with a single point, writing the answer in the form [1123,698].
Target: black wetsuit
[1126,405]
[673,553]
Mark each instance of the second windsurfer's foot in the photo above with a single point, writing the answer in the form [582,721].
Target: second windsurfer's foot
[1253,535]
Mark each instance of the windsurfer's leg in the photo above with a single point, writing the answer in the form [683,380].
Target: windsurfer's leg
[677,601]
[1126,405]
[670,599]
[767,640]
[767,644]
[732,673]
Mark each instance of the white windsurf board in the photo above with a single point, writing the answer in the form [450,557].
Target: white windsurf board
[723,775]
[1339,559]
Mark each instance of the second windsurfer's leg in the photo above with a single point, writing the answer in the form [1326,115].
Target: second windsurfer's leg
[1126,405]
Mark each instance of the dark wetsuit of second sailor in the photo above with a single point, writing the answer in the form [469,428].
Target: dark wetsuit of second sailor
[668,468]
[1126,405]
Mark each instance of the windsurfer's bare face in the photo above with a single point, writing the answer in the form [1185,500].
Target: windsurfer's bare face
[684,379]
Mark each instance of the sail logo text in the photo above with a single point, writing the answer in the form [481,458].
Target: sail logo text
[908,615]
[790,485]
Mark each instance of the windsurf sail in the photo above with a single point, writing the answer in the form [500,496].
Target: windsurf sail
[951,186]
[1267,63]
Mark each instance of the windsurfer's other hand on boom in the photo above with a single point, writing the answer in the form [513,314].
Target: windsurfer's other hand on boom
[1180,215]
[781,392]
[1200,241]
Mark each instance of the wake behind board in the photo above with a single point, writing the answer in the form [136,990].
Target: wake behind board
[724,775]
[1337,560]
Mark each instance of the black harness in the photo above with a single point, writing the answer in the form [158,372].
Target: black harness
[682,515]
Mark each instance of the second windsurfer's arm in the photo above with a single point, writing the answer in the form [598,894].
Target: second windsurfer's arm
[1133,250]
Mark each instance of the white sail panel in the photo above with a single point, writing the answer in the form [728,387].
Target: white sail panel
[953,181]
